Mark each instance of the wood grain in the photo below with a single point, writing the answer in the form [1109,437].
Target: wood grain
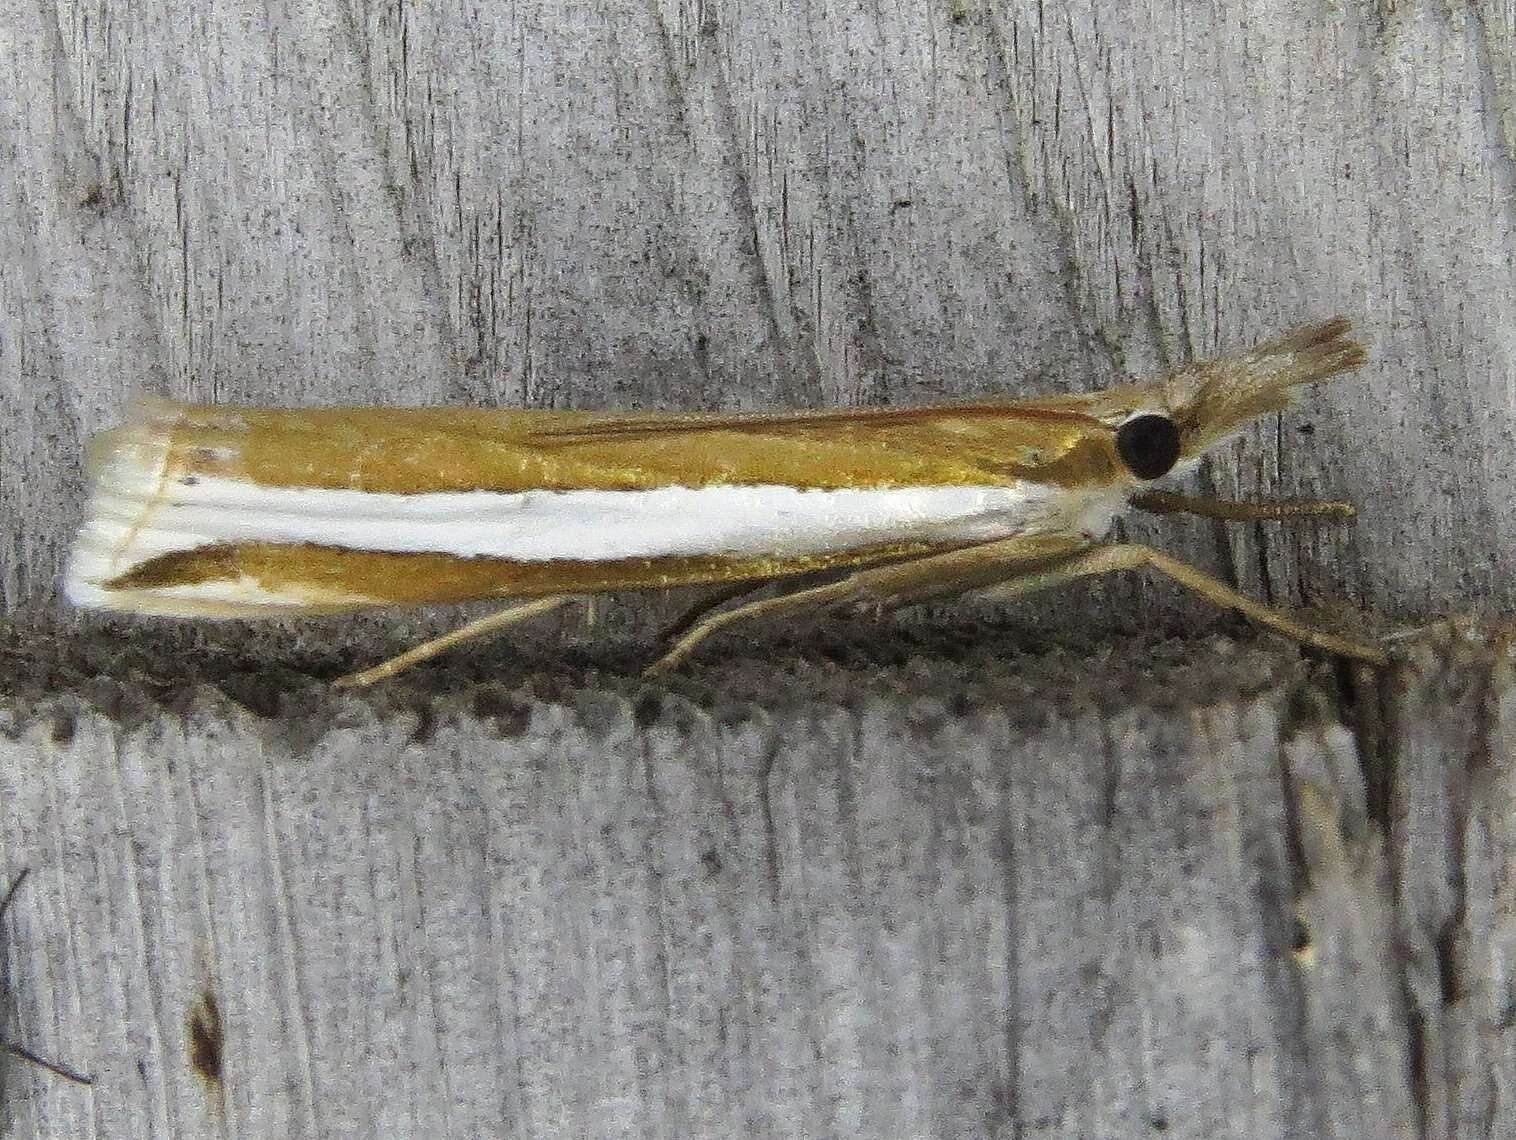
[915,889]
[753,206]
[1208,896]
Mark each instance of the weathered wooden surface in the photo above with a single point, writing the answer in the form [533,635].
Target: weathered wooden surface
[1197,892]
[915,892]
[750,205]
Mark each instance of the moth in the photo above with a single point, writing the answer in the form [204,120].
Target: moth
[222,512]
[11,1047]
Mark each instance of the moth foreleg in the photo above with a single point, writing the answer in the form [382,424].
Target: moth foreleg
[1012,569]
[1133,556]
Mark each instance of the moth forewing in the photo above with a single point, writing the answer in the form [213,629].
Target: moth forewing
[248,512]
[252,512]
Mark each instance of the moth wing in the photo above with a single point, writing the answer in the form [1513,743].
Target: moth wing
[621,426]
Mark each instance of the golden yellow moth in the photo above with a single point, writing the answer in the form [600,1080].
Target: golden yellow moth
[202,511]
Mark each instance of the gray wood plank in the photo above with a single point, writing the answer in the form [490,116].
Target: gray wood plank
[977,895]
[903,882]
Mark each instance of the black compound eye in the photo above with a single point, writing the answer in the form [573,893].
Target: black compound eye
[1148,445]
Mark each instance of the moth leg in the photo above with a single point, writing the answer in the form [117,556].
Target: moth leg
[488,624]
[951,571]
[709,604]
[1134,556]
[816,597]
[748,588]
[1012,570]
[1166,503]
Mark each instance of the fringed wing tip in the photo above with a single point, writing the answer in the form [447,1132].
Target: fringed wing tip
[125,466]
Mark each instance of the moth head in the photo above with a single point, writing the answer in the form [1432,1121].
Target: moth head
[1165,425]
